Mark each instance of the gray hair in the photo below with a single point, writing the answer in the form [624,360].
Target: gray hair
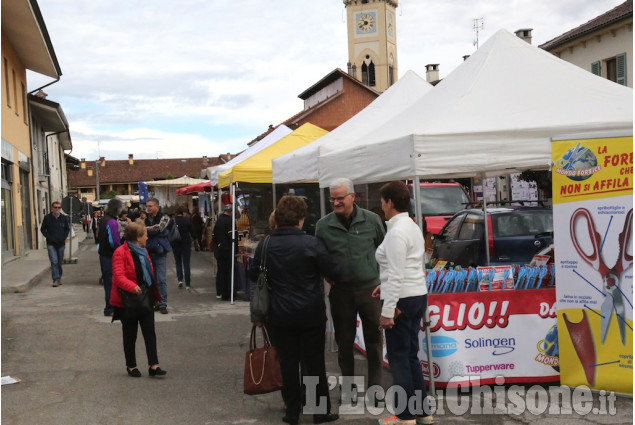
[342,181]
[114,208]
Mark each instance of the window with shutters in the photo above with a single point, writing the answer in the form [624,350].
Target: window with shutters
[596,68]
[611,69]
[615,69]
[620,65]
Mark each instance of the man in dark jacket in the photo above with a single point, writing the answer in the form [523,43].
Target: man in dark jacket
[222,239]
[55,228]
[158,247]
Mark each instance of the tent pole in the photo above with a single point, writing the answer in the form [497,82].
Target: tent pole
[232,199]
[485,221]
[416,188]
[274,196]
[322,201]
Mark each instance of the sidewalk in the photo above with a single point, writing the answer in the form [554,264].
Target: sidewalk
[22,273]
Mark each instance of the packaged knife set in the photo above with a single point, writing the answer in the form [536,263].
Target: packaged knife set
[492,278]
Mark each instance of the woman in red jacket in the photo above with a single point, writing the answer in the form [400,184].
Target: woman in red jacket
[131,267]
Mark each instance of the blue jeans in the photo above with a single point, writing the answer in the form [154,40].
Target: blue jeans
[106,276]
[160,263]
[56,256]
[402,347]
[182,259]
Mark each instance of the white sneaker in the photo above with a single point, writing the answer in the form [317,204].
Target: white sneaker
[180,285]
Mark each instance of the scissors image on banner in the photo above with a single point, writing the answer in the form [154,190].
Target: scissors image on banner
[614,299]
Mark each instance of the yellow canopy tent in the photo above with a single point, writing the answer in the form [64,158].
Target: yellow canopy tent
[257,168]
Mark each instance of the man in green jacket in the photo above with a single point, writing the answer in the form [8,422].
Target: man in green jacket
[351,235]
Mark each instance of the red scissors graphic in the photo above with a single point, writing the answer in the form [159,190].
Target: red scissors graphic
[614,301]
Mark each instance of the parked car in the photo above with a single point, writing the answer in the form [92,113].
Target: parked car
[515,235]
[439,202]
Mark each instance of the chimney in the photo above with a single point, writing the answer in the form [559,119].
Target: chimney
[524,34]
[102,161]
[130,159]
[465,57]
[432,72]
[40,94]
[82,163]
[90,171]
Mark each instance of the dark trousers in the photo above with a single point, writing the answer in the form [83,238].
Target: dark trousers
[345,306]
[182,256]
[402,346]
[301,346]
[106,275]
[223,276]
[129,327]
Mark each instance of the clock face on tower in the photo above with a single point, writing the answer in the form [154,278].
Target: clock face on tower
[390,24]
[365,22]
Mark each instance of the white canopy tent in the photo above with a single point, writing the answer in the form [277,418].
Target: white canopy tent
[301,165]
[269,139]
[165,190]
[494,114]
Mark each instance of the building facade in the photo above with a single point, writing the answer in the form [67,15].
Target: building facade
[122,177]
[603,46]
[50,138]
[25,45]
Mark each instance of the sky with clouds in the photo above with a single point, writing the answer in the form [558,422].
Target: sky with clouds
[187,78]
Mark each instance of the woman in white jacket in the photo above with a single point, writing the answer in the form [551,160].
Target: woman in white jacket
[404,295]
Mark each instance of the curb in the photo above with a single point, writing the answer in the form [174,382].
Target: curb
[23,287]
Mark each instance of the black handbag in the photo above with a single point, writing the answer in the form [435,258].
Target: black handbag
[175,235]
[137,305]
[259,306]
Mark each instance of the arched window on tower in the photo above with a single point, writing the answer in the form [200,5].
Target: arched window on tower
[368,71]
[391,71]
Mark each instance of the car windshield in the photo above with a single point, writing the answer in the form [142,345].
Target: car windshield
[443,200]
[522,223]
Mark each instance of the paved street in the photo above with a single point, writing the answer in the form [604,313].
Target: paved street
[70,360]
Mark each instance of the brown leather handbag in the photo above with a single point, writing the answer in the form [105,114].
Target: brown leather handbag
[262,368]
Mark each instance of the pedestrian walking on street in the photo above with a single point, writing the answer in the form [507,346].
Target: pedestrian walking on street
[132,268]
[109,241]
[95,225]
[351,235]
[197,228]
[404,294]
[158,246]
[222,239]
[86,221]
[55,228]
[295,265]
[182,249]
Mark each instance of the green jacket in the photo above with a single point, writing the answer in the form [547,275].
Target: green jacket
[354,249]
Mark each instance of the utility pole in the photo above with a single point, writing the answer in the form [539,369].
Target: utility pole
[97,165]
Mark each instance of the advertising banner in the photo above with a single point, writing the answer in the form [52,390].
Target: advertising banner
[509,334]
[593,217]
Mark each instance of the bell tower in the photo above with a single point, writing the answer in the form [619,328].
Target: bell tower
[372,42]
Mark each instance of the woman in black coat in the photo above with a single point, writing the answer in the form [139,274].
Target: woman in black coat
[296,263]
[182,249]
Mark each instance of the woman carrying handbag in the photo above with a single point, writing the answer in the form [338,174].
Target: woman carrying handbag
[134,295]
[295,263]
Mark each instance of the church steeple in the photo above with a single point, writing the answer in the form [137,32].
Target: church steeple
[372,42]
